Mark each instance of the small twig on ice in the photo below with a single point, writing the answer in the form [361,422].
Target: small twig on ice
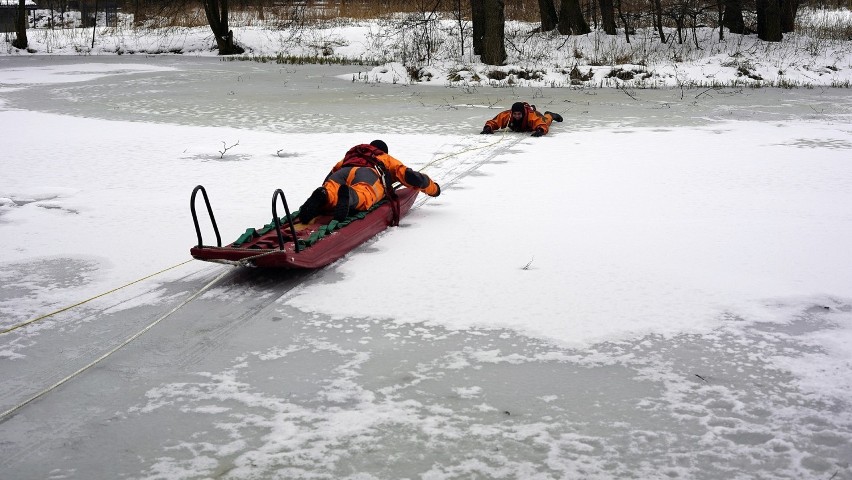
[448,105]
[527,266]
[628,93]
[226,148]
[705,91]
[702,378]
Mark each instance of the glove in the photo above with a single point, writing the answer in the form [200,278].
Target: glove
[486,130]
[438,192]
[538,132]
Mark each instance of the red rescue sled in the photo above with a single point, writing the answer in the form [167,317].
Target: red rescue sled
[285,243]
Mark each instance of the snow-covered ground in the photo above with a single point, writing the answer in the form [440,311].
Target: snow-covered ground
[660,287]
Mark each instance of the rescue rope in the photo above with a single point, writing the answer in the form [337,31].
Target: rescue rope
[22,324]
[502,137]
[7,413]
[243,262]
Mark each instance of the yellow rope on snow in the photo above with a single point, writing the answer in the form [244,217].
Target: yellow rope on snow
[15,327]
[502,136]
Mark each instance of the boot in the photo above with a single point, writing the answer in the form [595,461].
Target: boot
[341,210]
[554,116]
[313,206]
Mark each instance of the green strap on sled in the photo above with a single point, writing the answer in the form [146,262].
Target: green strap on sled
[252,233]
[271,226]
[330,228]
[316,236]
[245,237]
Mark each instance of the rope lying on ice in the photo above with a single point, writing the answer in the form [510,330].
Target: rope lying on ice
[243,262]
[7,413]
[470,149]
[23,324]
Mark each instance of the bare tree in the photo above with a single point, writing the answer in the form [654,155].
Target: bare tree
[657,12]
[679,11]
[458,16]
[720,10]
[571,20]
[769,20]
[624,20]
[21,26]
[217,16]
[788,15]
[494,36]
[548,15]
[608,17]
[732,19]
[421,27]
[139,13]
[477,16]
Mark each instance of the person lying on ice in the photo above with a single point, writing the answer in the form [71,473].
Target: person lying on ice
[523,117]
[360,180]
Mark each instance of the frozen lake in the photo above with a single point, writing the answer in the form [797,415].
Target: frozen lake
[245,382]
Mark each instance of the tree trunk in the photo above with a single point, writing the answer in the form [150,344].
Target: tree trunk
[593,13]
[217,16]
[21,26]
[494,37]
[623,20]
[657,8]
[608,17]
[477,17]
[769,20]
[694,18]
[459,17]
[571,21]
[720,10]
[548,15]
[138,16]
[733,17]
[788,15]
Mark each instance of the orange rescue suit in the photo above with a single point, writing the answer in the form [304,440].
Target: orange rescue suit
[363,168]
[533,120]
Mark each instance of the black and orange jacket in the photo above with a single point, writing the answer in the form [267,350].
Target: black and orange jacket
[366,155]
[533,120]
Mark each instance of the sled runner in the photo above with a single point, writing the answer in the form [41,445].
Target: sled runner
[285,243]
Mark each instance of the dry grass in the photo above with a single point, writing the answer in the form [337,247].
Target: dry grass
[825,24]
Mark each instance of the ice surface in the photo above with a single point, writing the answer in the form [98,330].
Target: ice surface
[657,288]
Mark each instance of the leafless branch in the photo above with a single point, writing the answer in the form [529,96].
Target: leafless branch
[225,148]
[628,93]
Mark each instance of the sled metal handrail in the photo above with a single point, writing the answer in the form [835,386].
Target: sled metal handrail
[209,212]
[278,221]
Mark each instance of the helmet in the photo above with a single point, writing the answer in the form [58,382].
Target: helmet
[380,145]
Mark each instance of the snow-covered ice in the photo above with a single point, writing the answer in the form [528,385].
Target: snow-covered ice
[660,287]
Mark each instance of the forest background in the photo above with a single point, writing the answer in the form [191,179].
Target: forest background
[632,38]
